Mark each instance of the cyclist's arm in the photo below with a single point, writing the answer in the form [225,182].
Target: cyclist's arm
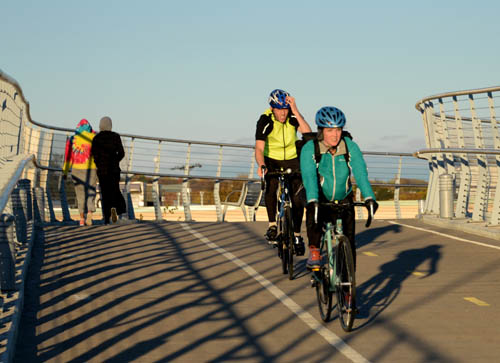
[303,125]
[308,170]
[264,128]
[359,170]
[259,155]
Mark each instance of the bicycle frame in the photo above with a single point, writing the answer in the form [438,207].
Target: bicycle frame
[283,197]
[332,243]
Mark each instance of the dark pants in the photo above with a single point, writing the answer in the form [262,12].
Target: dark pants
[111,196]
[297,192]
[325,214]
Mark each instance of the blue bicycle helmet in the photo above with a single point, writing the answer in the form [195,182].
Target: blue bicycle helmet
[277,99]
[330,117]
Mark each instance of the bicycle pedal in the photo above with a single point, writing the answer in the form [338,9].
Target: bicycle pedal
[313,282]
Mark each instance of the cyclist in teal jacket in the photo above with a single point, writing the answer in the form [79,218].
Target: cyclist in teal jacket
[337,156]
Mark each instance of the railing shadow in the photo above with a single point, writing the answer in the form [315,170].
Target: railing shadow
[184,274]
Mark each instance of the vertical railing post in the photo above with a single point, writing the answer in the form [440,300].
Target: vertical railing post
[128,177]
[18,211]
[396,190]
[425,120]
[48,192]
[481,200]
[495,212]
[359,210]
[186,203]
[24,186]
[38,206]
[251,211]
[432,201]
[156,186]
[7,253]
[218,207]
[448,158]
[20,139]
[44,160]
[465,177]
[34,147]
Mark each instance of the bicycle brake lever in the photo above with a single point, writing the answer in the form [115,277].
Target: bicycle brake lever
[370,216]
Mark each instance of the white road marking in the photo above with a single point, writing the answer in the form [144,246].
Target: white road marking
[447,235]
[307,318]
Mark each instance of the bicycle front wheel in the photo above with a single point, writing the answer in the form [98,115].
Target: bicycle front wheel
[345,283]
[324,294]
[289,241]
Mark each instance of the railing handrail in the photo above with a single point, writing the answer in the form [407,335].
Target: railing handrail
[11,184]
[456,151]
[197,142]
[456,93]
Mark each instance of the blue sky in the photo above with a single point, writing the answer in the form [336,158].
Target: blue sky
[202,70]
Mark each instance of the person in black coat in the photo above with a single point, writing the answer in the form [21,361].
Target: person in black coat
[107,150]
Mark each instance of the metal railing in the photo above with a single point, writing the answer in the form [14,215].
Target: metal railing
[462,139]
[185,162]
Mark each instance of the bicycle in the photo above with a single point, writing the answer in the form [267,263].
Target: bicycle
[285,237]
[337,274]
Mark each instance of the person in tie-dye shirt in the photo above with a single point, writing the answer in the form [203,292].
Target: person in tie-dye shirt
[78,158]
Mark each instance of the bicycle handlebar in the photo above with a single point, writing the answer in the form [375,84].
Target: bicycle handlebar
[342,205]
[288,171]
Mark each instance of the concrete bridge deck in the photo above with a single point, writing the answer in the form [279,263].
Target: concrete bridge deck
[209,292]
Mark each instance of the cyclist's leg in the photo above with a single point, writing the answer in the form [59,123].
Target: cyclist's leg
[297,193]
[271,198]
[349,225]
[298,200]
[314,237]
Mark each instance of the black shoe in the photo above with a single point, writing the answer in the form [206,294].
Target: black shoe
[298,245]
[272,233]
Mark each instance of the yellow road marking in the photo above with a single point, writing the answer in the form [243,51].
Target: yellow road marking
[416,273]
[371,254]
[476,301]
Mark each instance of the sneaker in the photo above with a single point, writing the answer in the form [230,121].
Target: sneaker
[88,221]
[272,233]
[314,260]
[114,216]
[299,246]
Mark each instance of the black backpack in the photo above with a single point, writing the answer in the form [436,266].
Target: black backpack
[317,154]
[313,136]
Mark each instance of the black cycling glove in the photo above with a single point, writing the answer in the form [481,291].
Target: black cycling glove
[372,202]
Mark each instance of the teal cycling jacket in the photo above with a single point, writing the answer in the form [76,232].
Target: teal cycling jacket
[334,171]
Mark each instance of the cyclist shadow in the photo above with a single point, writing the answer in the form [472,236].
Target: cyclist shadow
[376,294]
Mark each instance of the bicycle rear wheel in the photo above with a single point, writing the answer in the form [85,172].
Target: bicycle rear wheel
[282,247]
[345,284]
[289,241]
[284,257]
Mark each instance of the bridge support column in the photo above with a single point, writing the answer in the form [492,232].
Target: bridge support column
[7,253]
